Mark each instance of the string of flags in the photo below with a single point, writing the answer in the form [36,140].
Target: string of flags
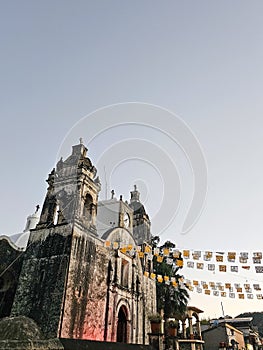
[166,279]
[221,262]
[168,255]
[221,259]
[232,290]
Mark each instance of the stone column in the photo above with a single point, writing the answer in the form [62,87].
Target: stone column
[184,329]
[198,326]
[190,320]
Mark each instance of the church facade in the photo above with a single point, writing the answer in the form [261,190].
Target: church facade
[74,281]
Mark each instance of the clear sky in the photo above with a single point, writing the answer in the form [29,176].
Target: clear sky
[202,60]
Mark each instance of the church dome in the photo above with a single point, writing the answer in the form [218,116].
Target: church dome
[19,328]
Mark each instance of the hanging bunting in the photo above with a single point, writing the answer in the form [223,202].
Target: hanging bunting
[156,251]
[190,264]
[259,269]
[166,251]
[256,286]
[234,268]
[231,256]
[169,261]
[159,259]
[115,245]
[186,254]
[256,260]
[222,268]
[211,267]
[208,256]
[179,263]
[200,266]
[176,254]
[219,258]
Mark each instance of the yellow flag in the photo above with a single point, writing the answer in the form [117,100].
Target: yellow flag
[153,275]
[115,245]
[179,263]
[166,251]
[160,278]
[186,253]
[107,244]
[147,249]
[159,258]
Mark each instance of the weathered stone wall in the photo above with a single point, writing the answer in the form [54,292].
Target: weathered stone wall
[32,345]
[11,259]
[84,310]
[42,279]
[95,293]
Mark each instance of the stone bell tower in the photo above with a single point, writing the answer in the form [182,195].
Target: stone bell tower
[68,216]
[141,221]
[72,194]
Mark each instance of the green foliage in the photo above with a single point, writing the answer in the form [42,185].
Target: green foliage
[205,321]
[173,324]
[155,318]
[172,300]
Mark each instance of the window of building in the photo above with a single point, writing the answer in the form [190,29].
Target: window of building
[56,215]
[87,209]
[124,273]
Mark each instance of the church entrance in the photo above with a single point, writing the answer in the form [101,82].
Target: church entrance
[122,326]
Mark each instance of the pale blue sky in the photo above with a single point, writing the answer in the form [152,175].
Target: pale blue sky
[61,60]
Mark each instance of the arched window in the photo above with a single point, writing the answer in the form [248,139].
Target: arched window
[87,209]
[124,273]
[56,215]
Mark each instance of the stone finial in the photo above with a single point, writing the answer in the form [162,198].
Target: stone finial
[81,141]
[112,194]
[37,208]
[135,194]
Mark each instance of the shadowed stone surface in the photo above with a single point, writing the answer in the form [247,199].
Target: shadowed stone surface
[71,344]
[19,328]
[68,344]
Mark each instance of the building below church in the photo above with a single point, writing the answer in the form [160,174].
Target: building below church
[73,280]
